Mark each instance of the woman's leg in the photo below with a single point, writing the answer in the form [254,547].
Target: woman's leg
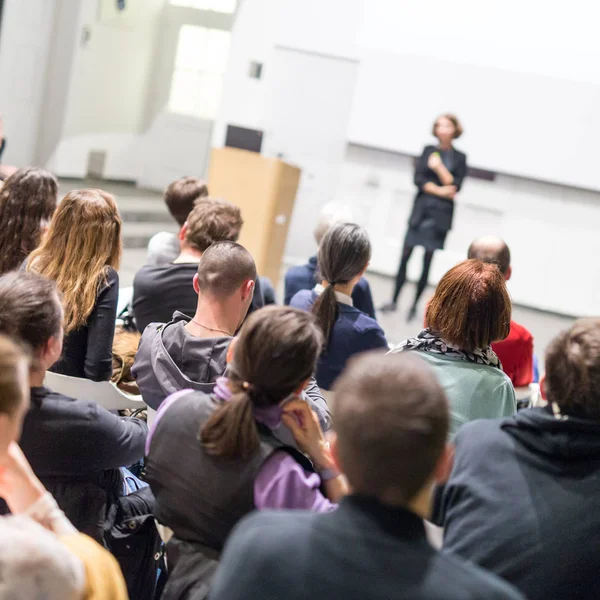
[401,276]
[422,284]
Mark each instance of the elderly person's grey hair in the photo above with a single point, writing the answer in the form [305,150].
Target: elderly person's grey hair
[35,565]
[331,214]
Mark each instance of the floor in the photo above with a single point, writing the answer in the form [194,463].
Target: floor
[144,214]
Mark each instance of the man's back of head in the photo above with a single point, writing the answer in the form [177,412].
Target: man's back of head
[492,249]
[392,421]
[331,214]
[223,269]
[212,220]
[573,369]
[182,194]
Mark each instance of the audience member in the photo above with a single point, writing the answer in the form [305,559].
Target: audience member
[125,347]
[228,439]
[27,203]
[343,257]
[160,291]
[81,253]
[75,447]
[392,422]
[523,499]
[516,351]
[191,352]
[42,555]
[469,310]
[180,197]
[304,277]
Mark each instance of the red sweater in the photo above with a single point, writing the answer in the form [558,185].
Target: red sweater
[516,355]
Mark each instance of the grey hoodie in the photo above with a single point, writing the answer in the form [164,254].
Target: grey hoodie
[169,359]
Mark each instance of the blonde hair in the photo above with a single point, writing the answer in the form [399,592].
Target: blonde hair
[83,241]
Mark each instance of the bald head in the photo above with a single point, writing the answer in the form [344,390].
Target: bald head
[392,421]
[492,249]
[223,268]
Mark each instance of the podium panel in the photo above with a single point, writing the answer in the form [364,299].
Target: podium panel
[265,190]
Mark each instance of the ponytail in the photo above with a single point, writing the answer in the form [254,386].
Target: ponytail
[325,310]
[231,431]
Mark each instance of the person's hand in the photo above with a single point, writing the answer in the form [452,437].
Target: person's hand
[302,421]
[434,161]
[18,484]
[448,191]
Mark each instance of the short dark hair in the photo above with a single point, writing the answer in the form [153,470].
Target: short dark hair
[491,249]
[181,196]
[458,130]
[471,307]
[211,221]
[344,252]
[573,369]
[224,267]
[392,420]
[30,309]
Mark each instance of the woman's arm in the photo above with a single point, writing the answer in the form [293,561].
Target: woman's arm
[101,331]
[301,420]
[460,171]
[442,191]
[435,163]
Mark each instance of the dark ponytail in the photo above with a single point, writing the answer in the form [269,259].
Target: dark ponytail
[275,353]
[231,431]
[344,252]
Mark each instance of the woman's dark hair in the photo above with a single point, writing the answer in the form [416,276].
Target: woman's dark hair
[471,307]
[275,352]
[27,198]
[344,252]
[458,130]
[30,310]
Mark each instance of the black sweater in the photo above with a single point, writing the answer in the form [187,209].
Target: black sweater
[87,351]
[361,551]
[76,448]
[523,500]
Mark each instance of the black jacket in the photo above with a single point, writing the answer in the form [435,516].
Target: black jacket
[428,206]
[76,449]
[523,500]
[87,351]
[362,551]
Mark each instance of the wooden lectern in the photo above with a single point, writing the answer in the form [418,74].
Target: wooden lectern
[265,190]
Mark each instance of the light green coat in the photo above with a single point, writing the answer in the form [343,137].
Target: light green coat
[474,391]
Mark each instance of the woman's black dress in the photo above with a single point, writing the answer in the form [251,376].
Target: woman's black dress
[431,217]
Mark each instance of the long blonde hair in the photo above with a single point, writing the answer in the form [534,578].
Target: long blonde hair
[83,241]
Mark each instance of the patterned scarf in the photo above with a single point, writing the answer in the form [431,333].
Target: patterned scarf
[427,341]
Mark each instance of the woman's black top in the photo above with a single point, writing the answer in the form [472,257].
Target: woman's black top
[431,216]
[87,351]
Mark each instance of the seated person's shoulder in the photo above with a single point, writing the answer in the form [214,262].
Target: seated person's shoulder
[270,534]
[303,299]
[478,434]
[520,332]
[475,581]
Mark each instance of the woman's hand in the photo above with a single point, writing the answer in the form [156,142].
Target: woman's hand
[18,484]
[434,161]
[302,421]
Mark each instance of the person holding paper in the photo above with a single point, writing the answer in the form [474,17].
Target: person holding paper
[439,174]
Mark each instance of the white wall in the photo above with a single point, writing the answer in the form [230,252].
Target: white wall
[551,230]
[108,88]
[27,27]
